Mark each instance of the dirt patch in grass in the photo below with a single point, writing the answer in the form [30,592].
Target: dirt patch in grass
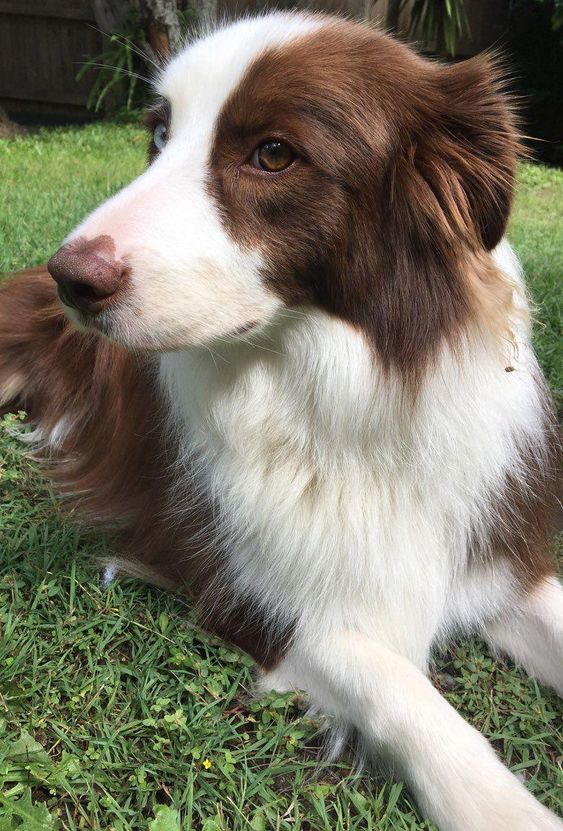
[8,128]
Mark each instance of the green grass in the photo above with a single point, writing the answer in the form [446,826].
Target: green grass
[536,231]
[117,713]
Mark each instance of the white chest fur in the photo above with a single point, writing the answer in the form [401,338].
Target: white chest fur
[342,502]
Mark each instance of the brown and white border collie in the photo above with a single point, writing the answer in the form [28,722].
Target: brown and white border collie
[314,404]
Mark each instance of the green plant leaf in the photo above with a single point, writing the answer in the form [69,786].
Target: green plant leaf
[211,825]
[22,815]
[165,819]
[25,750]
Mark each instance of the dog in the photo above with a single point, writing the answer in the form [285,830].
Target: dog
[290,366]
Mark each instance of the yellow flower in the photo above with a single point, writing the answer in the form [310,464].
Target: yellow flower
[207,763]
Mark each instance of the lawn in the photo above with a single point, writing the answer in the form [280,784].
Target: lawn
[115,711]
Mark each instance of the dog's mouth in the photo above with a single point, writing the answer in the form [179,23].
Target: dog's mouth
[120,323]
[84,321]
[82,294]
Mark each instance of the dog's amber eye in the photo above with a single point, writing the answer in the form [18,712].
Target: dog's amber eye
[160,135]
[273,156]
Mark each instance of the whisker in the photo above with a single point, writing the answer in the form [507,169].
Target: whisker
[147,54]
[141,53]
[248,342]
[120,69]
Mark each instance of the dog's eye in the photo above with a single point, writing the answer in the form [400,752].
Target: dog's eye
[160,135]
[273,156]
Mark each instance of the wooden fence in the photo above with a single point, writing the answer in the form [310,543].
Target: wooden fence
[44,42]
[42,45]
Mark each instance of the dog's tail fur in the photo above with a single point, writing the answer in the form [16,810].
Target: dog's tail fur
[54,372]
[94,408]
[99,428]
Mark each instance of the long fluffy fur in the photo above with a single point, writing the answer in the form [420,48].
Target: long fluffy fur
[320,412]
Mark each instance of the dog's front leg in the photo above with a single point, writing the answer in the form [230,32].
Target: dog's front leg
[453,771]
[531,632]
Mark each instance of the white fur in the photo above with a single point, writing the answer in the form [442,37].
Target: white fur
[189,280]
[109,574]
[453,771]
[11,388]
[350,511]
[343,505]
[340,497]
[532,632]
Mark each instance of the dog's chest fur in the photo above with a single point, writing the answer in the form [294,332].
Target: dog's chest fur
[338,499]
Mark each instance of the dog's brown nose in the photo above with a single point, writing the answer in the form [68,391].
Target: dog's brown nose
[87,273]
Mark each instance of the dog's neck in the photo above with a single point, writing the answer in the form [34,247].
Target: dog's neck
[311,384]
[320,376]
[306,379]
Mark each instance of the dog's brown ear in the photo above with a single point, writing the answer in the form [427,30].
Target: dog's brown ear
[463,152]
[446,198]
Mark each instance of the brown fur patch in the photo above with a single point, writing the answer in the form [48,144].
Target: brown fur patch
[405,170]
[114,463]
[403,185]
[524,513]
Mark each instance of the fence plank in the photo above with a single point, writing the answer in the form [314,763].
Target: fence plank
[43,43]
[41,52]
[57,10]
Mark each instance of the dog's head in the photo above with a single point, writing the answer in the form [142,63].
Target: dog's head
[300,160]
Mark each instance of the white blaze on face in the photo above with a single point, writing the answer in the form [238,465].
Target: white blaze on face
[189,280]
